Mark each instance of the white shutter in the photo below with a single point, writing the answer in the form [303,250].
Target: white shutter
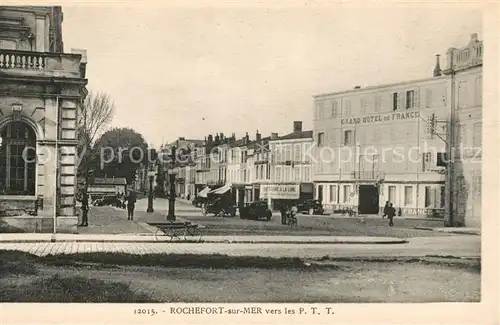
[417,98]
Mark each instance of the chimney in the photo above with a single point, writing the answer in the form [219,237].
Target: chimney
[274,136]
[182,138]
[222,136]
[473,38]
[258,136]
[437,68]
[357,87]
[217,138]
[297,126]
[246,138]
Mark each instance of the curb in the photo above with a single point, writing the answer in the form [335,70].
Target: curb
[459,232]
[202,241]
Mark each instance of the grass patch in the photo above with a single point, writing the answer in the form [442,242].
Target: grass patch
[214,261]
[71,289]
[17,263]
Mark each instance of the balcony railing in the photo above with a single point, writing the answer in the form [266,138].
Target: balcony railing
[22,60]
[370,175]
[58,64]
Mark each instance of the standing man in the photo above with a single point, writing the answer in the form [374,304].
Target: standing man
[85,209]
[391,212]
[386,208]
[131,199]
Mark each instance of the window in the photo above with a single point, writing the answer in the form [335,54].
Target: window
[462,133]
[476,142]
[428,196]
[348,138]
[278,174]
[320,193]
[17,174]
[347,108]
[410,99]
[478,91]
[443,196]
[296,172]
[377,103]
[268,171]
[395,101]
[297,152]
[363,105]
[392,194]
[427,161]
[462,94]
[321,138]
[442,159]
[408,195]
[335,109]
[333,193]
[347,193]
[428,97]
[306,170]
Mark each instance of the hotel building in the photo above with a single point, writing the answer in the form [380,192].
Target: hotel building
[373,144]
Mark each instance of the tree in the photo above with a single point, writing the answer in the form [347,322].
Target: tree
[94,115]
[120,152]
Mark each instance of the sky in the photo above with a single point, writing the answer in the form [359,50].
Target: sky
[188,72]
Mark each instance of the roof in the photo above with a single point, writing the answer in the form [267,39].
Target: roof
[258,144]
[297,135]
[237,143]
[110,181]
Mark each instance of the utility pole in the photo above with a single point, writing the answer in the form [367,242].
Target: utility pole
[171,197]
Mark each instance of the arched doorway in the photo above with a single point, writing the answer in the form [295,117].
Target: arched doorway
[17,159]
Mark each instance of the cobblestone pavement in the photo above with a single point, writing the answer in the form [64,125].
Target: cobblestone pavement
[460,246]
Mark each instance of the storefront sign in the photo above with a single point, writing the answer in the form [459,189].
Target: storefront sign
[381,118]
[285,192]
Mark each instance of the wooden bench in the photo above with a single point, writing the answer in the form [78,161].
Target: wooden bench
[178,230]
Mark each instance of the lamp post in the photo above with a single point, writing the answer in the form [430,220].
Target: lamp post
[171,196]
[150,196]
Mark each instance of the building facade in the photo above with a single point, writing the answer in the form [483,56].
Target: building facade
[290,167]
[374,144]
[40,88]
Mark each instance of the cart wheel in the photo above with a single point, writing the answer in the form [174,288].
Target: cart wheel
[158,234]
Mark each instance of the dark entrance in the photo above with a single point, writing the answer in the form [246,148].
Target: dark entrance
[368,199]
[241,197]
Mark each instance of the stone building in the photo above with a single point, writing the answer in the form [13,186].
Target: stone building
[373,144]
[40,88]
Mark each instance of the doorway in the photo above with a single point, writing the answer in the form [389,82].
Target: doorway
[368,199]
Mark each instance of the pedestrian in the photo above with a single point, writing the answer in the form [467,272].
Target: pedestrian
[85,210]
[131,199]
[391,212]
[283,214]
[386,208]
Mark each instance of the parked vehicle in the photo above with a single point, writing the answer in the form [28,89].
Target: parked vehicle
[111,200]
[198,201]
[310,207]
[255,211]
[219,207]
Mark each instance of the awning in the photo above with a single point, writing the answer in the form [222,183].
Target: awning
[221,190]
[204,192]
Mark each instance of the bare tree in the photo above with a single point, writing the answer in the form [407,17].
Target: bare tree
[94,115]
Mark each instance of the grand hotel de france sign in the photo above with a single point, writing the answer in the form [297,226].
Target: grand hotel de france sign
[381,118]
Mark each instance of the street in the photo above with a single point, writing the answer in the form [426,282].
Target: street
[111,220]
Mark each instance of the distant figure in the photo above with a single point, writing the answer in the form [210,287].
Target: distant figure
[189,197]
[131,199]
[85,210]
[386,208]
[283,214]
[391,212]
[294,210]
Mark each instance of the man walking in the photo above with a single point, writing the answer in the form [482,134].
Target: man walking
[386,208]
[131,199]
[391,212]
[85,210]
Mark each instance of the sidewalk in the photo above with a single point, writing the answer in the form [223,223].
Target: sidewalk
[150,238]
[458,247]
[454,230]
